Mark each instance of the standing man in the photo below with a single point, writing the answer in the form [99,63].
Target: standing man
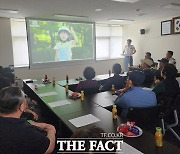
[128,51]
[169,57]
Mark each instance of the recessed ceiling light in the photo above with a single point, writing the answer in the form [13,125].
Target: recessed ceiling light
[127,1]
[98,10]
[120,20]
[172,6]
[70,16]
[9,11]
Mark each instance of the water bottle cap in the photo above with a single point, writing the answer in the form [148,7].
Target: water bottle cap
[158,129]
[114,106]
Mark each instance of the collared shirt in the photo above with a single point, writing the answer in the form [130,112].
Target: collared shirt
[136,97]
[172,61]
[128,50]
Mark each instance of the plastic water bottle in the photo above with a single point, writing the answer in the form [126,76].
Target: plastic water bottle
[113,90]
[158,137]
[82,95]
[114,112]
[54,81]
[67,88]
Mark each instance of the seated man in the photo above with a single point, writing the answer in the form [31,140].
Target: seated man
[149,74]
[17,135]
[117,80]
[89,83]
[163,62]
[8,79]
[169,57]
[148,56]
[133,95]
[169,85]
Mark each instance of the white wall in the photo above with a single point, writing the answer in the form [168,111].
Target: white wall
[6,54]
[152,40]
[73,71]
[6,58]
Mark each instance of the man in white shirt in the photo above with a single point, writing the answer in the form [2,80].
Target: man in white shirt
[169,55]
[128,51]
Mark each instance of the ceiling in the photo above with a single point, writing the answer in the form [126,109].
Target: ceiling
[140,11]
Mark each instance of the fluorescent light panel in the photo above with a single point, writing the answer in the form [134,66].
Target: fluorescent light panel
[98,10]
[172,6]
[9,11]
[120,20]
[127,1]
[70,16]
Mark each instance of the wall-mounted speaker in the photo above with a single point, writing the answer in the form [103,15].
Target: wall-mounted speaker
[142,31]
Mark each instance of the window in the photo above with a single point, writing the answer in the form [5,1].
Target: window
[19,43]
[108,42]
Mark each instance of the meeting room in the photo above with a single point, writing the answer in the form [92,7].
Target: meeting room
[91,76]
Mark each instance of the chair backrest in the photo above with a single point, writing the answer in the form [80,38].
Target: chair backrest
[143,116]
[89,91]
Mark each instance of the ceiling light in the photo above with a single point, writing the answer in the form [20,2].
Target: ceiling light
[120,20]
[172,6]
[127,1]
[97,10]
[70,16]
[9,11]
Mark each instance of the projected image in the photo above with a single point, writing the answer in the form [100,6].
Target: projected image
[53,41]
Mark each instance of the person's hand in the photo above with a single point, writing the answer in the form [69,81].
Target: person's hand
[157,81]
[40,125]
[49,127]
[34,102]
[120,91]
[35,115]
[72,29]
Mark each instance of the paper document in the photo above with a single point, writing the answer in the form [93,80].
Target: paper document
[48,94]
[40,85]
[112,98]
[58,103]
[127,149]
[84,120]
[124,74]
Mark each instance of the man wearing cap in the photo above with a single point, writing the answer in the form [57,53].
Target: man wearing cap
[133,95]
[163,62]
[169,57]
[128,51]
[149,74]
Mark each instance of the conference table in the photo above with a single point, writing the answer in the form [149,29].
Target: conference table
[92,105]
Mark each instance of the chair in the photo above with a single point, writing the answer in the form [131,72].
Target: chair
[88,91]
[166,116]
[145,117]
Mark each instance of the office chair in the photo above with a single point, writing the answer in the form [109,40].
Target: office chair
[145,117]
[167,114]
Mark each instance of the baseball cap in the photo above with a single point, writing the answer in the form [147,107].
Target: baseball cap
[163,60]
[63,28]
[148,62]
[137,77]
